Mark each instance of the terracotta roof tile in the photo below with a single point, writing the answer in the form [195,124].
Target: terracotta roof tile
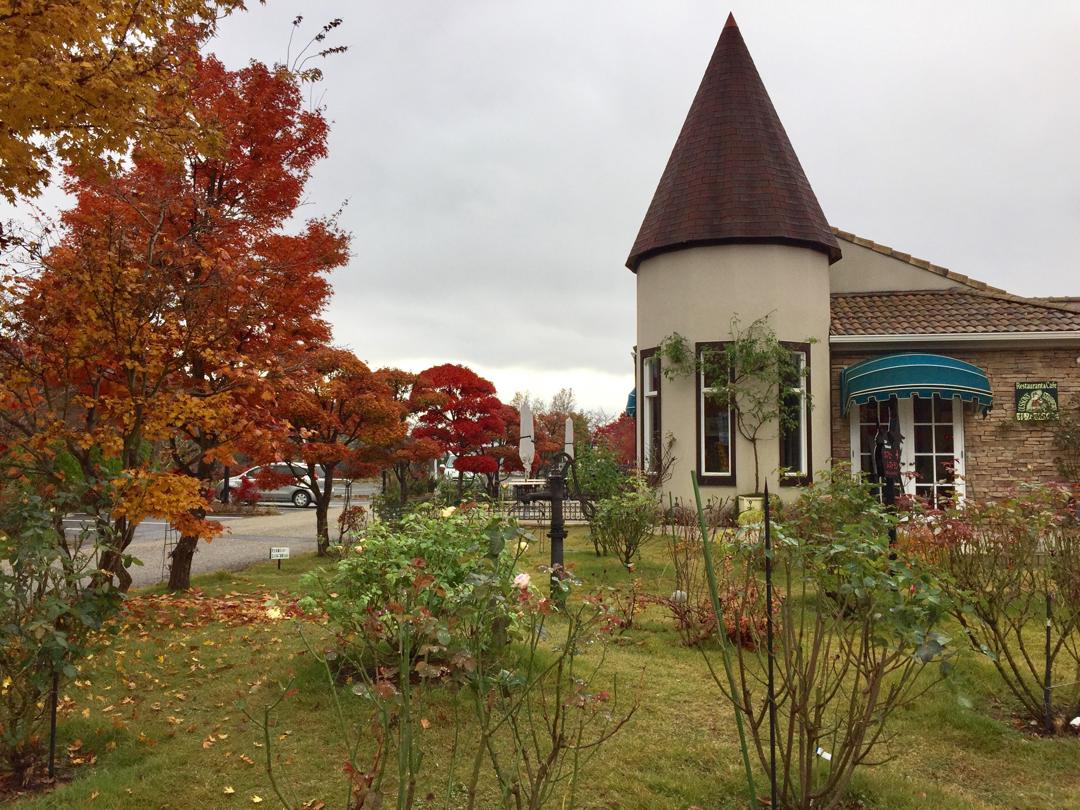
[733,175]
[954,311]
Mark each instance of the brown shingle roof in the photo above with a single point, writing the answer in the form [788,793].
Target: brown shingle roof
[937,269]
[954,311]
[733,175]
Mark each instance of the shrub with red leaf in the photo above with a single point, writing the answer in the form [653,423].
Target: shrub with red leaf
[248,493]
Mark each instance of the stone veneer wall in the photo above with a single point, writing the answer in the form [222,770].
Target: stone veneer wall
[1000,452]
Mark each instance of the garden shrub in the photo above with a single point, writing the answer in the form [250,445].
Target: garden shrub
[541,713]
[719,513]
[430,571]
[435,600]
[599,473]
[623,523]
[247,493]
[690,604]
[855,628]
[50,606]
[546,716]
[473,490]
[352,521]
[1014,573]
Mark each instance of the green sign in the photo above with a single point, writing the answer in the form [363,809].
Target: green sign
[1036,401]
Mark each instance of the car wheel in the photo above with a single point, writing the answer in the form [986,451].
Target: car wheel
[301,499]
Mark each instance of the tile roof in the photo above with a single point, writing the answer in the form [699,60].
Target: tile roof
[952,311]
[733,175]
[937,269]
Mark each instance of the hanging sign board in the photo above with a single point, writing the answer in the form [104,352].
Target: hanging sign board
[1036,401]
[279,553]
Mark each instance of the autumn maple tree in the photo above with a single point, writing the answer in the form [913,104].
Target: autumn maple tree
[463,416]
[502,449]
[619,436]
[155,335]
[340,415]
[409,456]
[84,79]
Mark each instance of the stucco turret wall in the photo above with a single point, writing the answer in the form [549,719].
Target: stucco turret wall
[695,292]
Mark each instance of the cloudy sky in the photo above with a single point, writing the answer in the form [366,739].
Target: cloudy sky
[497,157]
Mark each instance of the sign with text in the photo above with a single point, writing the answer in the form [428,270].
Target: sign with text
[1036,401]
[279,553]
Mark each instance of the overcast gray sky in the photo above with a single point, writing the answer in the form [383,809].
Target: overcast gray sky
[498,157]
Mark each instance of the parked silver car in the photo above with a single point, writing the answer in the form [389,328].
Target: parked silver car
[295,489]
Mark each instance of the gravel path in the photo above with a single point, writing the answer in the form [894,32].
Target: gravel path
[246,540]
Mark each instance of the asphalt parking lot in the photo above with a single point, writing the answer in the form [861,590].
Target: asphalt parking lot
[246,540]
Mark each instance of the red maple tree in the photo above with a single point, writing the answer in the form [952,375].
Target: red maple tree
[462,415]
[620,436]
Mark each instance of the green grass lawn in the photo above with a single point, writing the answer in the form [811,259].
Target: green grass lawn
[157,712]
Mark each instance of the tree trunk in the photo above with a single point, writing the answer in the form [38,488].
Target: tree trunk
[401,473]
[460,485]
[114,537]
[180,565]
[322,528]
[112,562]
[323,494]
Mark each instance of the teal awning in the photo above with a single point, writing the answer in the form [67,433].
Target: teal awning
[913,375]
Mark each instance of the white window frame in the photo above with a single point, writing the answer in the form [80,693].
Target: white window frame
[703,392]
[906,415]
[804,424]
[648,399]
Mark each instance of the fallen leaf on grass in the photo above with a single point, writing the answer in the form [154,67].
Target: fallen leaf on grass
[256,799]
[229,790]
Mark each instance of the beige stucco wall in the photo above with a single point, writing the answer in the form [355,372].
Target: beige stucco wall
[695,292]
[864,270]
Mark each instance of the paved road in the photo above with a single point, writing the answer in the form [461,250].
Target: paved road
[246,540]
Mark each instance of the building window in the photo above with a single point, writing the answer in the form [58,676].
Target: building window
[935,449]
[651,435]
[932,450]
[716,421]
[795,431]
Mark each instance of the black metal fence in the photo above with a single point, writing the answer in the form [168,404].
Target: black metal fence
[540,511]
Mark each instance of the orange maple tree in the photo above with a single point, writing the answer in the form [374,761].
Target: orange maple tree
[409,457]
[341,415]
[151,345]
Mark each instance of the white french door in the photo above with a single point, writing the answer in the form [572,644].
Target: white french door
[932,453]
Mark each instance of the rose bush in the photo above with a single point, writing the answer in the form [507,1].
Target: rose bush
[448,575]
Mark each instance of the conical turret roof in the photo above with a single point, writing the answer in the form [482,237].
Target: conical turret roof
[733,176]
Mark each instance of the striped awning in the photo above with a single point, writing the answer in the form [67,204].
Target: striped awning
[913,375]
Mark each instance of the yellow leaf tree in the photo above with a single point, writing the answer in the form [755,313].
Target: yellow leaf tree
[84,79]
